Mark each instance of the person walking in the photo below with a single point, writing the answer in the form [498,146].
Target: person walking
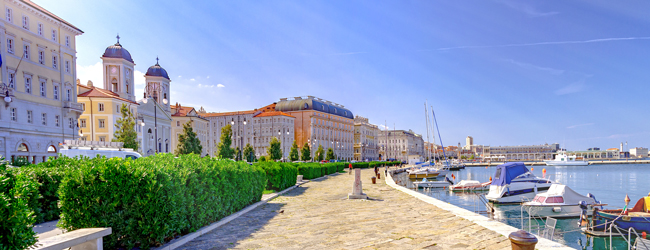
[350,166]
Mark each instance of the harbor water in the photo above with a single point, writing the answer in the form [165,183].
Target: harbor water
[609,184]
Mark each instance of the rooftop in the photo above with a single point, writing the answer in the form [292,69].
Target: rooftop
[101,93]
[273,113]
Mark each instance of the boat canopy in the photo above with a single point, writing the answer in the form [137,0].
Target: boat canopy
[509,171]
[570,197]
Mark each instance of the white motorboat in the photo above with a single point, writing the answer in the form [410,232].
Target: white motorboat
[470,185]
[514,183]
[560,201]
[562,159]
[433,184]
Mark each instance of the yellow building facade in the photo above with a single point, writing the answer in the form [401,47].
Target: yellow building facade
[38,74]
[101,112]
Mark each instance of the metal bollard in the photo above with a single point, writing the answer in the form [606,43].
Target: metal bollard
[522,240]
[378,175]
[374,180]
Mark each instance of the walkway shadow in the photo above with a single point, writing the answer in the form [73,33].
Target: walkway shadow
[296,191]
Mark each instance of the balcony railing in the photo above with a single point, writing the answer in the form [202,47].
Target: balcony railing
[73,105]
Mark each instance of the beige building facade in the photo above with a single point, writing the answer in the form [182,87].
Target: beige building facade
[320,122]
[267,125]
[400,144]
[365,140]
[41,110]
[523,152]
[182,115]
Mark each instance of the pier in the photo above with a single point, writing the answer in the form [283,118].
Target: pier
[541,163]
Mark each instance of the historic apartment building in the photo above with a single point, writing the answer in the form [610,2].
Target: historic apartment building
[101,112]
[400,144]
[267,125]
[39,91]
[182,115]
[321,123]
[365,140]
[242,128]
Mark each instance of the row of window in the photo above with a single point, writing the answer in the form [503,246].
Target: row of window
[9,16]
[13,113]
[42,87]
[41,55]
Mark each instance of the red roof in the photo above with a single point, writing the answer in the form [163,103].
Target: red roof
[270,107]
[273,113]
[214,114]
[101,93]
[181,111]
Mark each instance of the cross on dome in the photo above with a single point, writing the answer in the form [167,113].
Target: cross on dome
[118,38]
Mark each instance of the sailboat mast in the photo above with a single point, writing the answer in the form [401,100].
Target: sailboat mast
[441,144]
[426,117]
[433,135]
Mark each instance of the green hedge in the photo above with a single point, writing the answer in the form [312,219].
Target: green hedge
[48,175]
[17,191]
[151,200]
[280,175]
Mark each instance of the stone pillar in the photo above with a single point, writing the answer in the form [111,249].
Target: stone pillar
[357,191]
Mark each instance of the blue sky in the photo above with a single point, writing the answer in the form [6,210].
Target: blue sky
[503,71]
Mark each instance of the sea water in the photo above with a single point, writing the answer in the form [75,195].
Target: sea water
[608,183]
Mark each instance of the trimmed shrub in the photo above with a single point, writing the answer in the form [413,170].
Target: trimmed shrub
[310,170]
[16,192]
[48,175]
[153,199]
[280,175]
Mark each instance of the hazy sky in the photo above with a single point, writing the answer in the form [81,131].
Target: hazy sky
[507,72]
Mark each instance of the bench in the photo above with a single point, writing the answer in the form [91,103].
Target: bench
[80,239]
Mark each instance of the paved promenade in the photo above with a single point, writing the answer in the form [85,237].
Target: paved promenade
[317,215]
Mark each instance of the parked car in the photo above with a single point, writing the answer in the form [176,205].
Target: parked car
[92,153]
[324,161]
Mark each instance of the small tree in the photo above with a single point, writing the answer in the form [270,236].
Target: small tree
[262,158]
[249,153]
[274,151]
[293,154]
[306,152]
[471,157]
[188,143]
[125,129]
[330,154]
[225,151]
[237,154]
[319,153]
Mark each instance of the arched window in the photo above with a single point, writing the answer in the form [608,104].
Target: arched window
[114,85]
[127,86]
[22,148]
[51,149]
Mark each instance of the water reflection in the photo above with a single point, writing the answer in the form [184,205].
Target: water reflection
[609,184]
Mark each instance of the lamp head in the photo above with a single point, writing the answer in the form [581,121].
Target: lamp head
[165,101]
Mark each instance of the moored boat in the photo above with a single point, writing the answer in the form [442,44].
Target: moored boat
[562,159]
[560,201]
[433,184]
[638,217]
[470,185]
[514,183]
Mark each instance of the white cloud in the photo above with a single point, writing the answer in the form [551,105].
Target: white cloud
[92,73]
[220,85]
[535,67]
[382,127]
[571,88]
[580,125]
[208,77]
[205,86]
[192,79]
[179,76]
[600,40]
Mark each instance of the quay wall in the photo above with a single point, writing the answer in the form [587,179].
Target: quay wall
[496,226]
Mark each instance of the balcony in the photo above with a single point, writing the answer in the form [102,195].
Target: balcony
[73,106]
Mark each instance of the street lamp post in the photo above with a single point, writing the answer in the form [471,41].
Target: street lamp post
[156,89]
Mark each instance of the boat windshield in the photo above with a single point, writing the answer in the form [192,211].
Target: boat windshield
[558,199]
[539,199]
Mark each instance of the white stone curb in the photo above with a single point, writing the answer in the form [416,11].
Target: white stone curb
[188,237]
[481,220]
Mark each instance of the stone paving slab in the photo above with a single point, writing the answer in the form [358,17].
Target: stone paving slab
[317,215]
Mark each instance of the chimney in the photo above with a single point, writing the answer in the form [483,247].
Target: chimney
[89,84]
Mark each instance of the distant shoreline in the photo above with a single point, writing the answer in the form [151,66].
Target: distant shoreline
[541,163]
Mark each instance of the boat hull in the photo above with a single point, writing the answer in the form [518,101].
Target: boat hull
[559,211]
[515,192]
[422,176]
[432,184]
[640,224]
[478,187]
